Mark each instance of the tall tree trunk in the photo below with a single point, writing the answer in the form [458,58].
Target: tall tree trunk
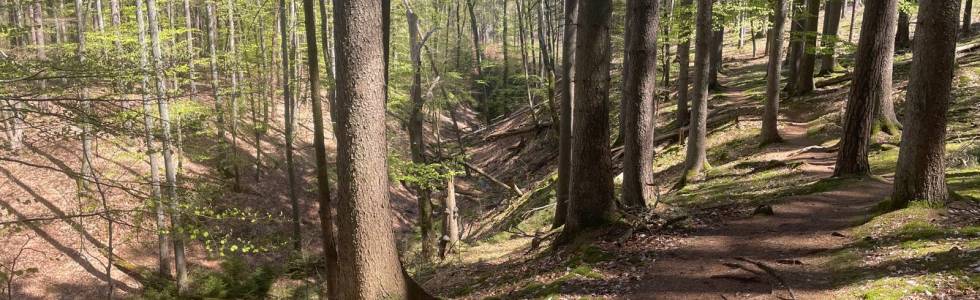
[684,74]
[903,38]
[219,110]
[524,61]
[235,163]
[366,244]
[591,202]
[169,165]
[872,84]
[116,21]
[854,8]
[323,179]
[968,18]
[770,128]
[416,132]
[188,25]
[151,151]
[639,105]
[481,94]
[921,172]
[715,59]
[796,38]
[548,66]
[696,158]
[565,87]
[287,94]
[831,25]
[804,80]
[506,66]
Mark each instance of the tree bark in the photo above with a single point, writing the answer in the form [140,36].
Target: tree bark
[684,75]
[696,143]
[903,38]
[639,104]
[872,84]
[164,263]
[795,54]
[327,231]
[170,167]
[921,171]
[804,80]
[235,164]
[213,56]
[770,128]
[416,131]
[854,8]
[714,67]
[367,256]
[590,202]
[831,25]
[289,114]
[565,87]
[968,18]
[481,94]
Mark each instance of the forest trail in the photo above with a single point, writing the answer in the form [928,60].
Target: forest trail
[729,259]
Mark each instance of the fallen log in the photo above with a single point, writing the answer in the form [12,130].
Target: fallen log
[512,187]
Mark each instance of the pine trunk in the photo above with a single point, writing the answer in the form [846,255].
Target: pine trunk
[921,172]
[872,84]
[804,80]
[770,128]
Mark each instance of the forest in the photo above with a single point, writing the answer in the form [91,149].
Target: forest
[489,149]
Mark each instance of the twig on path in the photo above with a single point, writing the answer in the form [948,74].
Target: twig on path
[772,272]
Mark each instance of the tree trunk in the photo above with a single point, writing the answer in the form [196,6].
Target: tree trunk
[565,87]
[235,164]
[903,38]
[804,80]
[188,26]
[795,44]
[872,84]
[169,165]
[968,18]
[683,75]
[831,25]
[697,137]
[151,151]
[327,223]
[717,47]
[921,172]
[213,56]
[481,94]
[416,132]
[590,202]
[522,34]
[639,104]
[506,65]
[854,8]
[367,256]
[288,104]
[770,128]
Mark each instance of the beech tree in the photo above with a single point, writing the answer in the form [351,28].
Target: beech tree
[566,88]
[770,117]
[921,171]
[590,201]
[696,157]
[870,88]
[639,105]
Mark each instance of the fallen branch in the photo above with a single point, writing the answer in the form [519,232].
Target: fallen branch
[486,175]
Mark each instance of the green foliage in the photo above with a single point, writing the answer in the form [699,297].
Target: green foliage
[235,279]
[429,176]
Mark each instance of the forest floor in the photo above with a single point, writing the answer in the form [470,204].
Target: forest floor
[765,222]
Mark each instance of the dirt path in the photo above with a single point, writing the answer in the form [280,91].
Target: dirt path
[714,262]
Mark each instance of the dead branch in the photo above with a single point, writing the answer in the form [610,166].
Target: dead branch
[517,131]
[486,175]
[771,272]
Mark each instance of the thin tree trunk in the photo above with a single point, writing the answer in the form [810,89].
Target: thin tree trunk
[795,54]
[872,84]
[683,75]
[416,132]
[323,178]
[506,66]
[968,18]
[921,171]
[639,105]
[696,158]
[116,21]
[219,110]
[190,49]
[170,167]
[854,8]
[151,150]
[591,202]
[770,128]
[287,93]
[235,164]
[715,60]
[831,25]
[481,94]
[566,86]
[524,58]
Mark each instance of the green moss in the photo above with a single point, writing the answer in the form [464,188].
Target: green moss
[895,288]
